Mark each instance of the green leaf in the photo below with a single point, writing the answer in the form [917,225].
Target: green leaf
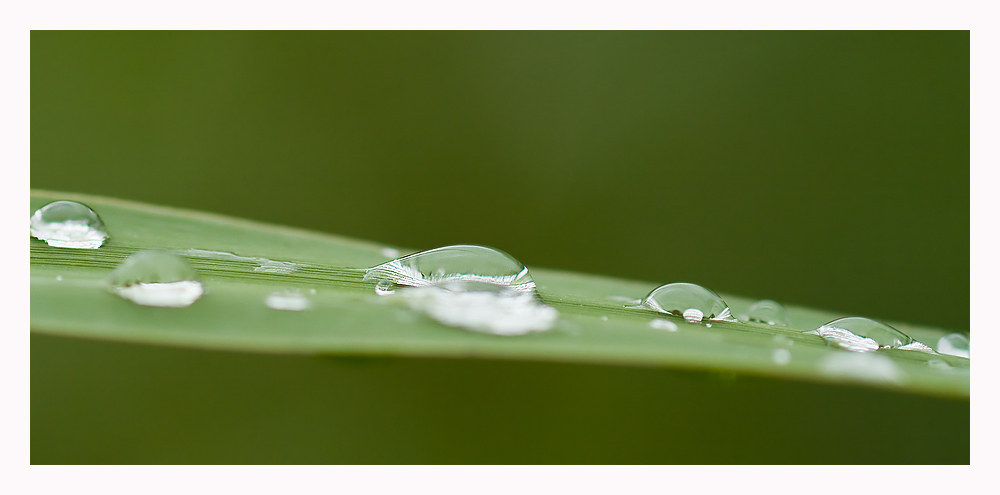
[347,318]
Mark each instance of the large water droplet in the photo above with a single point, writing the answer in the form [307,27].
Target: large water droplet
[156,278]
[68,224]
[954,344]
[692,302]
[768,312]
[461,263]
[859,334]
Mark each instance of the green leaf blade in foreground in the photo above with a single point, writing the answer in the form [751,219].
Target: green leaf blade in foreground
[347,318]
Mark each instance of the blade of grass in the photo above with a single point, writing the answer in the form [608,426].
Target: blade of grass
[347,318]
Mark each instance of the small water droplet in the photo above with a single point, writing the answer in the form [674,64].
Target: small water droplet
[768,312]
[781,357]
[859,334]
[312,291]
[692,302]
[604,318]
[287,300]
[390,252]
[155,278]
[661,324]
[59,278]
[384,288]
[68,224]
[461,263]
[497,312]
[954,344]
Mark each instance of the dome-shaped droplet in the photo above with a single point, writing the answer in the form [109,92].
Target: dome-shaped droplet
[692,302]
[68,224]
[862,334]
[156,278]
[768,312]
[461,264]
[954,344]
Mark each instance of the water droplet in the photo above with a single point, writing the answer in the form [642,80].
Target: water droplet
[390,252]
[661,324]
[859,334]
[68,224]
[461,263]
[59,278]
[156,278]
[954,344]
[781,357]
[769,312]
[692,302]
[287,300]
[384,288]
[862,367]
[497,312]
[604,318]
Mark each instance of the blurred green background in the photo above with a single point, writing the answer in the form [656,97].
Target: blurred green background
[98,402]
[828,169]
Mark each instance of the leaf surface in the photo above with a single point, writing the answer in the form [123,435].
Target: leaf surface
[69,298]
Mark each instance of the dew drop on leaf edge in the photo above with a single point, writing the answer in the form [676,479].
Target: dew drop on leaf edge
[156,278]
[458,268]
[68,224]
[692,302]
[859,334]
